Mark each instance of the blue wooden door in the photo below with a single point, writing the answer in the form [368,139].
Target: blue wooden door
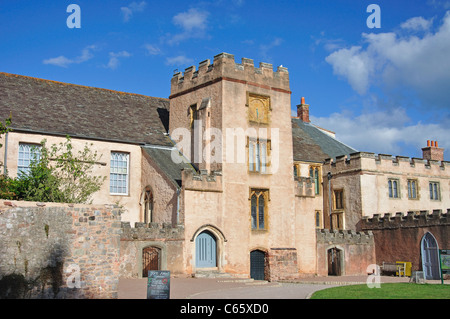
[205,250]
[430,257]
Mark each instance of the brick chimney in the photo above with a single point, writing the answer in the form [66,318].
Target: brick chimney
[303,111]
[433,152]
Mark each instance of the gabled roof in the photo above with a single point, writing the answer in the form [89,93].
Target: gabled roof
[312,144]
[51,107]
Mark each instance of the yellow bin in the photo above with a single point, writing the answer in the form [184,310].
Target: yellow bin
[407,271]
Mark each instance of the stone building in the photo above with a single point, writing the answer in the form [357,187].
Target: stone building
[369,184]
[218,179]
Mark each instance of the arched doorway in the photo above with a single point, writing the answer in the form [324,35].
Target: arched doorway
[334,262]
[430,257]
[257,264]
[205,250]
[151,260]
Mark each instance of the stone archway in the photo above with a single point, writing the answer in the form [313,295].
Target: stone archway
[429,249]
[208,243]
[151,259]
[335,259]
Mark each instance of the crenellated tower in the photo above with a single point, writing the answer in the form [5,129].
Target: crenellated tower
[234,120]
[218,96]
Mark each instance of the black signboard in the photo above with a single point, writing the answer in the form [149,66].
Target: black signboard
[158,284]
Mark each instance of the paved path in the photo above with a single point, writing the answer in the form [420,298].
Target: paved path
[228,288]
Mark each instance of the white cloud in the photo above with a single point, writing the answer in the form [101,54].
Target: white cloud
[193,24]
[328,44]
[178,60]
[353,64]
[114,59]
[192,19]
[385,132]
[133,7]
[152,49]
[62,61]
[417,24]
[392,61]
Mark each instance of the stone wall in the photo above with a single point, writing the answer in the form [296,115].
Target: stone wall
[59,251]
[398,237]
[282,264]
[357,250]
[364,178]
[168,239]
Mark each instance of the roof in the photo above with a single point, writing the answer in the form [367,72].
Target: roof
[312,144]
[58,108]
[163,159]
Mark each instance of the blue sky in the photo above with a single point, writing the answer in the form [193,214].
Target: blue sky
[382,90]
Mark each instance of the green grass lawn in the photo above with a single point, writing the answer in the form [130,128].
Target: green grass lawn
[386,291]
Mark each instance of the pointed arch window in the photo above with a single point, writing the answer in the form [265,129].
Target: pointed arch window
[148,206]
[258,209]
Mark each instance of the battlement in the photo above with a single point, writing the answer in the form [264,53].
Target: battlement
[224,67]
[152,231]
[411,219]
[202,181]
[367,160]
[343,237]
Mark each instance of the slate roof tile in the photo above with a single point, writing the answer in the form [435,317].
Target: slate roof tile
[67,109]
[311,144]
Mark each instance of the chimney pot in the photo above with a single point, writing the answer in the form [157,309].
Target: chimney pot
[433,152]
[303,111]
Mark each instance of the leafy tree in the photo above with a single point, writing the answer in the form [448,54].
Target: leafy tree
[74,172]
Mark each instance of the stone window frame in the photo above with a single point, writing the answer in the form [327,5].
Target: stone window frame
[435,192]
[316,177]
[192,113]
[256,166]
[337,216]
[391,188]
[265,194]
[318,219]
[416,188]
[341,207]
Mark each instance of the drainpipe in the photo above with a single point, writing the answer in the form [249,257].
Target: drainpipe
[6,154]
